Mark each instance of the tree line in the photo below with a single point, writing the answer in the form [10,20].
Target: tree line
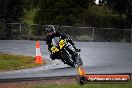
[108,13]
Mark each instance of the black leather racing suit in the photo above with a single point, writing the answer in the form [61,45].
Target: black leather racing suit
[49,41]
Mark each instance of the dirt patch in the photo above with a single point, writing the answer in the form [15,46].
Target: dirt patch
[26,84]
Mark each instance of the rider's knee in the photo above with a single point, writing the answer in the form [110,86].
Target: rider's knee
[53,56]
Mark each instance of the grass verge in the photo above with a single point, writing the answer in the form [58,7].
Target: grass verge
[84,86]
[15,62]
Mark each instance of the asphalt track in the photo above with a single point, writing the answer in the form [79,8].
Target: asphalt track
[98,58]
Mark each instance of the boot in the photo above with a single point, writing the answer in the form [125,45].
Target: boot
[77,50]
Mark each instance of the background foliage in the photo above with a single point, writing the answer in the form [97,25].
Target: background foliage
[108,13]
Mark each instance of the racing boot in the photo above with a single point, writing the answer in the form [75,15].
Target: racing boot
[77,50]
[71,42]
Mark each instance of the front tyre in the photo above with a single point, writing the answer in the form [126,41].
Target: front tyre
[67,56]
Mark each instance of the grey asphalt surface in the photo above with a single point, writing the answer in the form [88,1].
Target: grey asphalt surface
[98,57]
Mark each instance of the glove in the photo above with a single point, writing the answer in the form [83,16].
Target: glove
[54,49]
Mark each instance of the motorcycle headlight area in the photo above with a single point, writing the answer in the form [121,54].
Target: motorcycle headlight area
[62,43]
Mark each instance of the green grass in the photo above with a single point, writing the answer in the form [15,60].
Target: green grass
[84,86]
[15,62]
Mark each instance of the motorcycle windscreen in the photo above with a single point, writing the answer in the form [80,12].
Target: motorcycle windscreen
[55,41]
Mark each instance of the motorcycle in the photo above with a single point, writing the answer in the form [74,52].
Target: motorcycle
[66,52]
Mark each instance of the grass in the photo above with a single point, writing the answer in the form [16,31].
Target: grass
[15,62]
[84,86]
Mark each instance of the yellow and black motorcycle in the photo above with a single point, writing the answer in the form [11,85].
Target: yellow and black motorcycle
[66,52]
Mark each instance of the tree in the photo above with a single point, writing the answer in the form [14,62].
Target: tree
[123,8]
[97,16]
[60,12]
[10,11]
[30,4]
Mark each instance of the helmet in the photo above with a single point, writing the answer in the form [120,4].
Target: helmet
[50,28]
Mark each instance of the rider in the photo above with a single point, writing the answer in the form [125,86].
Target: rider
[51,33]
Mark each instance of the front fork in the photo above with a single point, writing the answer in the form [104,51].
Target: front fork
[71,48]
[77,59]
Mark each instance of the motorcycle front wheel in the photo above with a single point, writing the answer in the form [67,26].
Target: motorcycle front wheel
[67,56]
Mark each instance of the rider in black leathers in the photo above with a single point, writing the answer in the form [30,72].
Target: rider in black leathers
[51,33]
